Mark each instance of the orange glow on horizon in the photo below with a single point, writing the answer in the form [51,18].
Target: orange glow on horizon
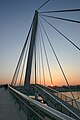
[58,80]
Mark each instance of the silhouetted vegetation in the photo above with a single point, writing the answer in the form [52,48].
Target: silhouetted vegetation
[66,88]
[5,86]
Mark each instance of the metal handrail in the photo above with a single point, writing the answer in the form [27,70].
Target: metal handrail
[59,102]
[65,98]
[48,111]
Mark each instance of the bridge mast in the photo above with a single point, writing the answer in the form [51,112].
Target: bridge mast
[30,54]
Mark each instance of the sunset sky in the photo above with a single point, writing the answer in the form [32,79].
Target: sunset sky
[15,20]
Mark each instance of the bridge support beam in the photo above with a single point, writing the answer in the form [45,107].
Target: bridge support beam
[30,54]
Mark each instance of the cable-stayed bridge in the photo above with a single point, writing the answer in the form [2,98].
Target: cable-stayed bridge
[29,84]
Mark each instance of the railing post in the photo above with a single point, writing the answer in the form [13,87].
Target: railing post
[72,102]
[61,96]
[66,98]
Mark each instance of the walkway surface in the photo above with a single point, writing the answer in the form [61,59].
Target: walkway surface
[8,109]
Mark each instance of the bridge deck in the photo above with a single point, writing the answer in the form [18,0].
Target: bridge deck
[8,109]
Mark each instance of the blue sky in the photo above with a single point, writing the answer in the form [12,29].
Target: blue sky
[15,19]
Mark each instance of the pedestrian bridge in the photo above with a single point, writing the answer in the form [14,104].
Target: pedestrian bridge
[43,103]
[28,96]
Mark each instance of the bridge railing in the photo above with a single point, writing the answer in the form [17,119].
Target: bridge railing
[33,108]
[55,102]
[68,99]
[63,97]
